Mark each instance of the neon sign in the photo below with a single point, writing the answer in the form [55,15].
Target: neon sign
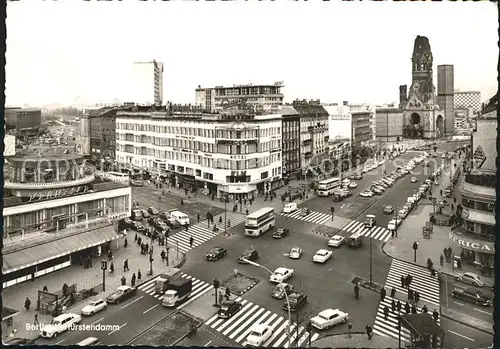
[58,193]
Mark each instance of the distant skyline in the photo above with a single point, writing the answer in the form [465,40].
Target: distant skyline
[332,51]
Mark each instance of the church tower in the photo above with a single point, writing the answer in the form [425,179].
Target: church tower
[422,69]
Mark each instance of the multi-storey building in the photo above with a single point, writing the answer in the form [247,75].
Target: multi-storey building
[235,153]
[362,130]
[445,90]
[55,211]
[25,121]
[147,83]
[467,99]
[290,140]
[389,124]
[476,236]
[261,97]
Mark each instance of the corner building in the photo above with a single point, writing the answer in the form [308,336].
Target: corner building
[238,154]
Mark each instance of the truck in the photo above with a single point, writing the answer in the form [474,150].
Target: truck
[163,280]
[177,291]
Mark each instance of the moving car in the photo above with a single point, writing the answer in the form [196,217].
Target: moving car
[216,253]
[290,207]
[346,182]
[370,220]
[172,223]
[471,279]
[281,274]
[259,334]
[393,224]
[59,325]
[145,213]
[281,233]
[280,290]
[322,256]
[137,226]
[358,176]
[295,253]
[251,255]
[153,211]
[366,193]
[19,341]
[329,318]
[305,211]
[352,185]
[413,179]
[351,177]
[121,294]
[228,309]
[296,301]
[336,241]
[94,307]
[471,295]
[388,209]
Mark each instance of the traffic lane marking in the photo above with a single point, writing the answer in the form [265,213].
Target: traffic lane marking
[97,321]
[148,310]
[208,343]
[482,311]
[110,333]
[461,335]
[462,304]
[62,340]
[135,300]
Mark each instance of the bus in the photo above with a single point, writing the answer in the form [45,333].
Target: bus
[117,176]
[328,186]
[260,221]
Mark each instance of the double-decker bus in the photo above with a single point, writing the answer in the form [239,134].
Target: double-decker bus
[260,221]
[328,186]
[117,176]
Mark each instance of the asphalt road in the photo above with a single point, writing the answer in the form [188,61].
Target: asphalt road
[132,316]
[327,286]
[205,338]
[457,335]
[469,309]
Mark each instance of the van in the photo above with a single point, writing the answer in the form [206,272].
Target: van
[136,215]
[90,341]
[290,207]
[355,240]
[370,221]
[180,217]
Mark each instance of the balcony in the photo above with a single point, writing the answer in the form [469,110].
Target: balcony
[307,141]
[308,154]
[89,178]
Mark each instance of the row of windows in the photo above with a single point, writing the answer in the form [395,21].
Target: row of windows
[483,179]
[483,231]
[246,91]
[479,205]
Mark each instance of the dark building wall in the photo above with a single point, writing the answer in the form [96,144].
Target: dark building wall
[445,97]
[362,132]
[11,117]
[291,143]
[103,134]
[403,95]
[389,124]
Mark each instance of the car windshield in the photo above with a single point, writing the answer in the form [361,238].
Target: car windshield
[255,334]
[279,273]
[321,253]
[248,253]
[336,238]
[322,317]
[295,250]
[214,250]
[224,307]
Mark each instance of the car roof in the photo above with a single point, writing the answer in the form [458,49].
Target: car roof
[328,312]
[471,274]
[280,270]
[337,236]
[259,327]
[123,287]
[322,250]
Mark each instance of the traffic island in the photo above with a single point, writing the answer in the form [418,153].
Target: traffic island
[373,286]
[238,283]
[325,231]
[166,332]
[357,207]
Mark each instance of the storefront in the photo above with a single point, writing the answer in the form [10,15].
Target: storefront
[473,250]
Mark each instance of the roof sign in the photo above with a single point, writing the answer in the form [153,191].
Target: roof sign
[479,157]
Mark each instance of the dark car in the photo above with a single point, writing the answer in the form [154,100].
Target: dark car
[121,294]
[153,211]
[152,221]
[281,233]
[472,295]
[173,223]
[137,226]
[162,229]
[251,255]
[228,309]
[351,177]
[296,300]
[145,213]
[128,221]
[165,215]
[216,253]
[337,197]
[19,341]
[388,209]
[357,176]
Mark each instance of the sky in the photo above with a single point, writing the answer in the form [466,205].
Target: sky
[333,51]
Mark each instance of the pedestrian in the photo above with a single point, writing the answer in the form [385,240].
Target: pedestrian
[403,281]
[393,306]
[424,309]
[198,216]
[36,322]
[162,254]
[382,294]
[229,223]
[111,268]
[191,241]
[368,331]
[125,265]
[90,261]
[220,219]
[27,304]
[450,253]
[413,309]
[393,292]
[139,275]
[215,228]
[228,292]
[124,280]
[435,315]
[246,211]
[441,260]
[139,241]
[132,280]
[125,243]
[407,308]
[386,312]
[187,227]
[65,289]
[356,291]
[349,327]
[409,279]
[135,237]
[410,294]
[45,289]
[416,297]
[398,306]
[221,298]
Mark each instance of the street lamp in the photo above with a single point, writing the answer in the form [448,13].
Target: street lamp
[286,297]
[371,274]
[415,247]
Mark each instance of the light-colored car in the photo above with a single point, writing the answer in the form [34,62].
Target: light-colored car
[59,325]
[402,213]
[366,193]
[336,241]
[295,253]
[94,307]
[329,318]
[352,185]
[471,279]
[322,256]
[259,334]
[393,224]
[413,179]
[281,275]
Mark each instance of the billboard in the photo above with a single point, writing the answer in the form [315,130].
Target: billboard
[339,122]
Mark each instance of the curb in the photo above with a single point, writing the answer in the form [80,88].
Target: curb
[148,328]
[248,288]
[467,324]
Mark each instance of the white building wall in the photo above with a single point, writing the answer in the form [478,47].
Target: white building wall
[147,88]
[9,145]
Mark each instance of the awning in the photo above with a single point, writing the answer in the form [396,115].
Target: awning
[43,252]
[471,243]
[478,217]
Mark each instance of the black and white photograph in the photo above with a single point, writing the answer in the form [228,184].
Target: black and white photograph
[285,174]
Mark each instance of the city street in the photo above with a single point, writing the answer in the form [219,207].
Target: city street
[457,335]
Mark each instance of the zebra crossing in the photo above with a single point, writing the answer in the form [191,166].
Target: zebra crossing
[199,288]
[423,282]
[377,233]
[199,233]
[312,217]
[233,219]
[240,324]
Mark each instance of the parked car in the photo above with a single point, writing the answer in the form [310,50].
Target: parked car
[471,279]
[351,177]
[137,226]
[19,341]
[295,253]
[216,253]
[259,334]
[329,318]
[280,290]
[121,294]
[352,185]
[251,255]
[366,193]
[281,233]
[322,256]
[173,223]
[336,241]
[388,209]
[296,301]
[376,190]
[94,307]
[393,224]
[471,295]
[358,176]
[153,211]
[281,274]
[145,213]
[228,308]
[402,213]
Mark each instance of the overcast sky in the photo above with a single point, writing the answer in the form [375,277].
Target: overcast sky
[334,51]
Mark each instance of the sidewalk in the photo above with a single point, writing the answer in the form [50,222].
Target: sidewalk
[357,340]
[15,295]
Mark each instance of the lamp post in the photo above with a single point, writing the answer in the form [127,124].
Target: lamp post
[371,274]
[226,199]
[415,248]
[286,297]
[104,266]
[434,205]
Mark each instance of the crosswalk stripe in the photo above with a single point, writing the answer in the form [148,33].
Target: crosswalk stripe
[313,217]
[250,320]
[245,333]
[285,336]
[241,319]
[234,318]
[376,233]
[276,334]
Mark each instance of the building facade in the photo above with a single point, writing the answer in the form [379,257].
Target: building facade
[362,128]
[290,140]
[25,121]
[238,154]
[467,99]
[445,96]
[56,211]
[147,88]
[476,236]
[389,124]
[264,98]
[9,145]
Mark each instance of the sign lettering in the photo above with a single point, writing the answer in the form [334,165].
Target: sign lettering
[59,193]
[473,245]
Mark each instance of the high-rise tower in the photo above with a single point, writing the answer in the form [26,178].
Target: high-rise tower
[445,97]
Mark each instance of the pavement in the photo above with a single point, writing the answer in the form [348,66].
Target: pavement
[355,340]
[15,295]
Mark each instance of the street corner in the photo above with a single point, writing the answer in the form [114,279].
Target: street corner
[238,283]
